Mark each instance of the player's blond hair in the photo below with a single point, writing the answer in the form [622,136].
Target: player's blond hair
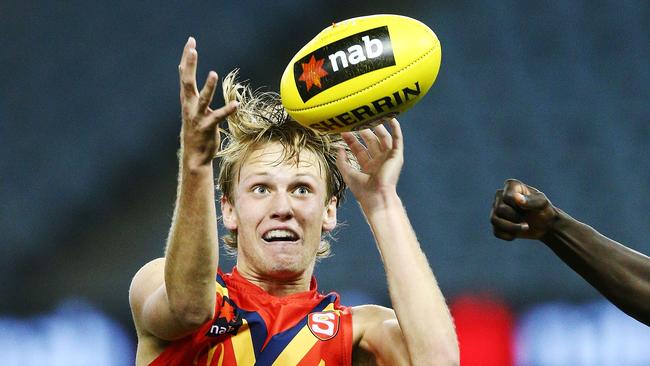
[261,119]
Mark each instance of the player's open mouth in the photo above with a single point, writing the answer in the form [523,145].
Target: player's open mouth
[280,235]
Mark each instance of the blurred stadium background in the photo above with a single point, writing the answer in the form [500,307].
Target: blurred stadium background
[554,93]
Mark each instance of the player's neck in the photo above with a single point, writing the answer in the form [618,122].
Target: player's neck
[281,284]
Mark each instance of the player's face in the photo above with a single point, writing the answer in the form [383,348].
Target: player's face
[279,212]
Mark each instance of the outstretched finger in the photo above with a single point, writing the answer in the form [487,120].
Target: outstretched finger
[190,43]
[344,166]
[385,139]
[371,141]
[398,139]
[220,114]
[358,150]
[187,71]
[207,93]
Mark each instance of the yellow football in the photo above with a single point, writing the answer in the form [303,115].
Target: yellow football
[360,72]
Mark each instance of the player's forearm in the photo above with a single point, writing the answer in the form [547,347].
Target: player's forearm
[416,298]
[619,273]
[192,246]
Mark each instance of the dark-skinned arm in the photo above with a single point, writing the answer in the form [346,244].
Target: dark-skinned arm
[621,274]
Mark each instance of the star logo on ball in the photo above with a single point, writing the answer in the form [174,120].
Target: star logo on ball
[312,72]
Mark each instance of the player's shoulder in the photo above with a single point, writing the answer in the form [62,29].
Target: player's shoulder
[148,278]
[371,312]
[377,336]
[150,270]
[153,264]
[365,317]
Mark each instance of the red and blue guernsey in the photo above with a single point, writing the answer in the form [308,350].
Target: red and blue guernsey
[252,327]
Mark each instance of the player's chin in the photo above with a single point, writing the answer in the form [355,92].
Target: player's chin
[284,267]
[283,251]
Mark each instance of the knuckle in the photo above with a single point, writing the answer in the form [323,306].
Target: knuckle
[544,199]
[203,101]
[503,208]
[187,110]
[509,197]
[189,88]
[503,236]
[497,199]
[494,220]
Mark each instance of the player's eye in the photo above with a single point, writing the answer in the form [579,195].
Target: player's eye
[260,189]
[301,190]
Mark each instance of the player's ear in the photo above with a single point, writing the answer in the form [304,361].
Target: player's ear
[228,214]
[329,215]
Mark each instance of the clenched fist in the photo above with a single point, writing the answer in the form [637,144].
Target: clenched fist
[521,211]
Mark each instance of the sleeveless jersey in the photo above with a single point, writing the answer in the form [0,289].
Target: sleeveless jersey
[252,327]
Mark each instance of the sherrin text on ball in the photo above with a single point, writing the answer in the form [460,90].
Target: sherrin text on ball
[360,72]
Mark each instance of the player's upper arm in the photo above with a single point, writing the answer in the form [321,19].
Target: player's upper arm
[377,337]
[152,314]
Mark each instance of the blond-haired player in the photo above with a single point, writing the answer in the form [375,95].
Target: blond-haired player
[281,184]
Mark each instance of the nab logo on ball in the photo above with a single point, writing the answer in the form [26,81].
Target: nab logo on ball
[343,60]
[324,325]
[360,72]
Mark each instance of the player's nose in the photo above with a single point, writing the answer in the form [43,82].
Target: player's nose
[281,207]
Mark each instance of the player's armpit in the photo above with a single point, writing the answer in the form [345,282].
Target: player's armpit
[378,338]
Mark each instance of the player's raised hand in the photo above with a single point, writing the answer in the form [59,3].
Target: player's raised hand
[521,211]
[380,157]
[200,137]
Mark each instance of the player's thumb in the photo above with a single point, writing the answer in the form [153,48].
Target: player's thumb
[532,201]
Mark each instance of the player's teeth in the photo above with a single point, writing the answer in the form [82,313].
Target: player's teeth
[275,234]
